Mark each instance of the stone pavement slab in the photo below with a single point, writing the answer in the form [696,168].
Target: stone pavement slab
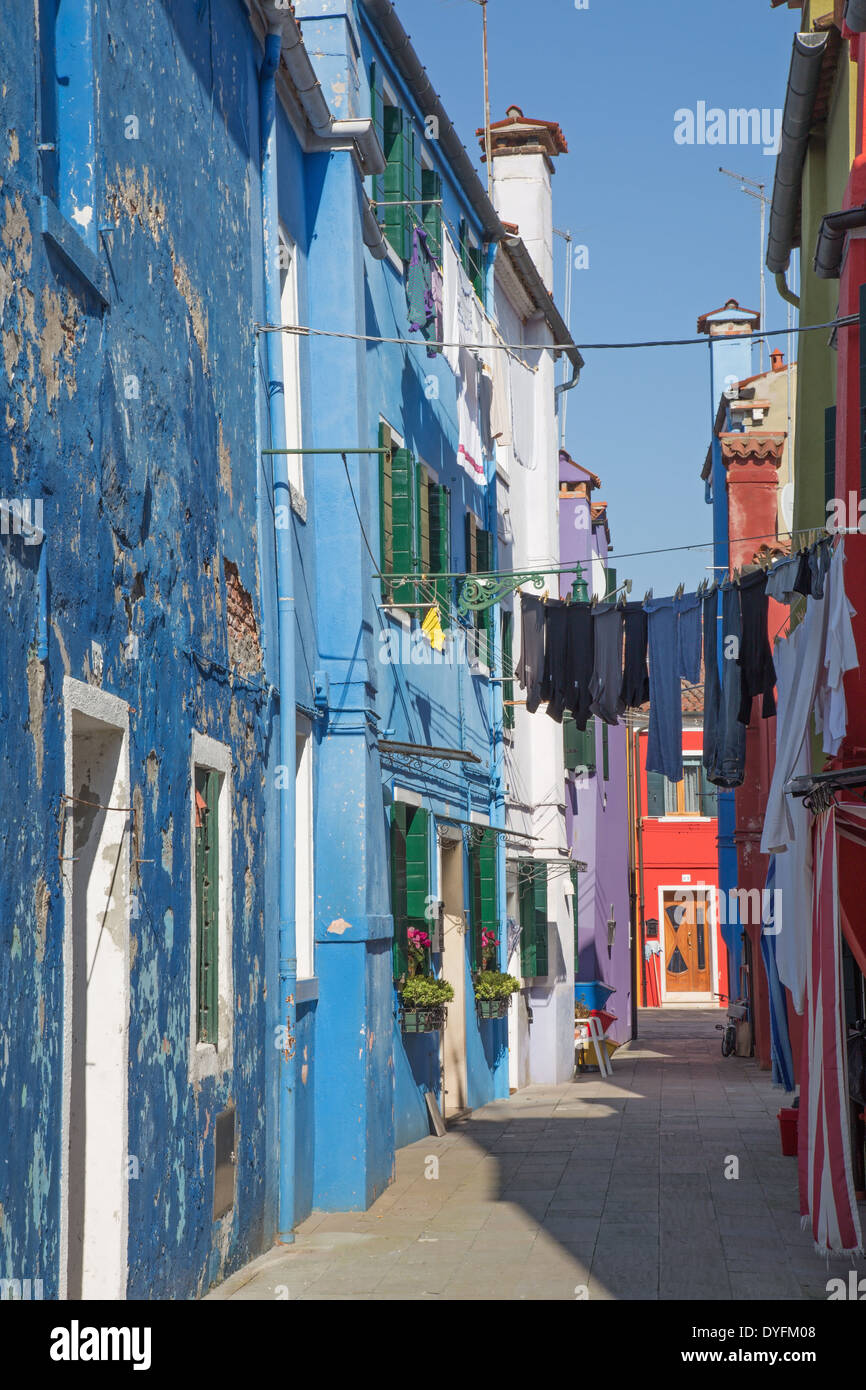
[611,1188]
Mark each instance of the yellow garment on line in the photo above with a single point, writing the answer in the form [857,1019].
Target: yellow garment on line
[432,628]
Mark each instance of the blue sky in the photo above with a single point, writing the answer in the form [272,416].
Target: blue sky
[668,236]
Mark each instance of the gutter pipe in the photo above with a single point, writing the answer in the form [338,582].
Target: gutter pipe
[284,552]
[788,295]
[830,245]
[803,77]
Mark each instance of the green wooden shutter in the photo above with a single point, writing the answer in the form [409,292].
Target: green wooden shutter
[207,904]
[422,495]
[830,454]
[440,551]
[484,618]
[431,187]
[386,508]
[507,668]
[396,182]
[610,577]
[532,883]
[571,743]
[402,471]
[585,750]
[398,887]
[377,112]
[605,764]
[482,859]
[655,793]
[574,882]
[539,897]
[410,877]
[412,211]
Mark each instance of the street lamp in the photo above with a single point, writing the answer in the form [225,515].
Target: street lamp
[611,932]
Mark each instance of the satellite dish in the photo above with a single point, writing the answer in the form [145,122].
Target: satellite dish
[786,502]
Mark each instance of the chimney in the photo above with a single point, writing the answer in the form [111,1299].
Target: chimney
[731,360]
[523,150]
[777,359]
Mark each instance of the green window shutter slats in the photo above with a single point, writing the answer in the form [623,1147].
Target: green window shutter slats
[395,179]
[386,507]
[574,882]
[402,471]
[479,550]
[207,900]
[470,257]
[377,111]
[482,859]
[655,793]
[440,519]
[431,187]
[507,667]
[410,877]
[572,743]
[830,452]
[610,576]
[532,893]
[423,490]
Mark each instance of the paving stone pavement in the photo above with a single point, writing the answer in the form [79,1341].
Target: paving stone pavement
[600,1189]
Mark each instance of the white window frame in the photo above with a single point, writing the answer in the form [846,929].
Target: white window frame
[291,359]
[305,897]
[209,1059]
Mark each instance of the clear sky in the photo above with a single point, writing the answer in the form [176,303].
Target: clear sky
[668,237]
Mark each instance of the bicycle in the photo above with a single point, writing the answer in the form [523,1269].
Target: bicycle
[736,1013]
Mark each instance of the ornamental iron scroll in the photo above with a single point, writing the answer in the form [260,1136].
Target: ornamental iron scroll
[481,591]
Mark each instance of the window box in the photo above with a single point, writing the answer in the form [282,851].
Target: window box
[423,1020]
[492,1008]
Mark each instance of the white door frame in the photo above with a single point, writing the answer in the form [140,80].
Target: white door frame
[80,698]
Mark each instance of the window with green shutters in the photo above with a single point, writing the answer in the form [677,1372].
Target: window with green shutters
[655,793]
[397,529]
[479,552]
[470,257]
[398,190]
[433,527]
[579,745]
[207,784]
[532,892]
[410,878]
[829,454]
[482,876]
[507,668]
[431,210]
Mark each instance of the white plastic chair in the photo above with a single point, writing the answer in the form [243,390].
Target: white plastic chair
[596,1037]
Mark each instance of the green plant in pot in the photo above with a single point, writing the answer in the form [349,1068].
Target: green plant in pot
[424,999]
[493,989]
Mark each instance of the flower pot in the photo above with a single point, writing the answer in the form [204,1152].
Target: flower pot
[428,1020]
[492,1008]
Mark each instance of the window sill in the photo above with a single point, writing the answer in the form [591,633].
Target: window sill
[395,261]
[307,990]
[67,241]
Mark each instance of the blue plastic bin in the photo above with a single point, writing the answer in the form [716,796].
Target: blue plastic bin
[593,994]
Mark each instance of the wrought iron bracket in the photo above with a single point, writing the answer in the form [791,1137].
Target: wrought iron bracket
[479,592]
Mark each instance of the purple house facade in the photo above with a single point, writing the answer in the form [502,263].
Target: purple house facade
[596,789]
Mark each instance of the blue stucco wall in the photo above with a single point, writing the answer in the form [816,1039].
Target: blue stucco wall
[143,498]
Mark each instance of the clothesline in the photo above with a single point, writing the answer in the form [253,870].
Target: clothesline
[305,330]
[602,660]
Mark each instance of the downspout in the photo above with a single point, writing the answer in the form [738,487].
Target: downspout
[284,542]
[788,295]
[42,589]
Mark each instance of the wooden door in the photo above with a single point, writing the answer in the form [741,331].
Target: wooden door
[687,945]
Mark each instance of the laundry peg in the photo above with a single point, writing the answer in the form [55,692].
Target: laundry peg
[647,596]
[680,590]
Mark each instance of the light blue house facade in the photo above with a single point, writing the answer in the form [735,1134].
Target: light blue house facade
[235,771]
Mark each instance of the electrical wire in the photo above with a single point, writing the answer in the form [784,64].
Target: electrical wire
[304,330]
